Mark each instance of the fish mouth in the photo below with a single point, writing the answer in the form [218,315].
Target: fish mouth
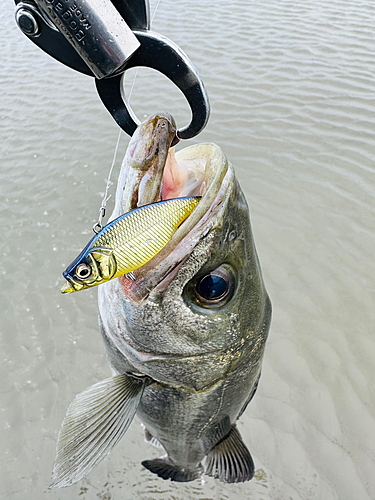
[198,170]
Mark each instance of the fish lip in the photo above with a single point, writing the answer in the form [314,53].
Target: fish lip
[141,177]
[159,118]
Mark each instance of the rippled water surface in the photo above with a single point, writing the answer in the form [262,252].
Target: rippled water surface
[292,89]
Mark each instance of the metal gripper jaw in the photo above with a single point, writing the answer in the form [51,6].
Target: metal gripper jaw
[104,38]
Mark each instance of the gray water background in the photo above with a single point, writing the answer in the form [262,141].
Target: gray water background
[292,89]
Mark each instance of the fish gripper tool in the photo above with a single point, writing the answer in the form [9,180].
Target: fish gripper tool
[104,38]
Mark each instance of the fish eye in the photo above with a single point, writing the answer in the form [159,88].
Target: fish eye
[83,271]
[214,289]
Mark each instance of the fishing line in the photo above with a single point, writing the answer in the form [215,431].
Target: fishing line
[98,226]
[153,15]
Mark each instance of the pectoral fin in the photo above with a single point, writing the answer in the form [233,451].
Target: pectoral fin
[95,422]
[230,460]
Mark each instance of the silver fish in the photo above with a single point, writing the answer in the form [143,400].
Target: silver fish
[186,339]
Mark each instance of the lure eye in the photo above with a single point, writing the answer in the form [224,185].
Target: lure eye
[213,289]
[83,271]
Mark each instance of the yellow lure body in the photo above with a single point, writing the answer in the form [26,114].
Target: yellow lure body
[127,243]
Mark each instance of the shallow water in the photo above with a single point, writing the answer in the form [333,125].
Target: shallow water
[292,90]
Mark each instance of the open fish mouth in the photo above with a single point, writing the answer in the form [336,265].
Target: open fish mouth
[153,171]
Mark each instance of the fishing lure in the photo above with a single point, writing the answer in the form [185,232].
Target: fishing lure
[127,243]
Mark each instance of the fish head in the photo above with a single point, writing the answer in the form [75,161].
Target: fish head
[202,299]
[93,266]
[207,282]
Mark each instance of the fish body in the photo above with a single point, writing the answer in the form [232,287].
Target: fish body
[127,243]
[188,335]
